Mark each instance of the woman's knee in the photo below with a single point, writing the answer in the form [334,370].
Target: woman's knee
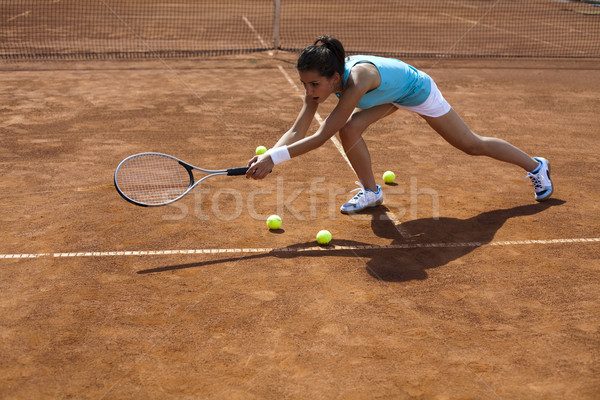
[350,133]
[476,146]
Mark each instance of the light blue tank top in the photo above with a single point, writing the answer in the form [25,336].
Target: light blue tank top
[400,83]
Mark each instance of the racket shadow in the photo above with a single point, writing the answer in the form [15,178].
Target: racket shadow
[424,244]
[293,251]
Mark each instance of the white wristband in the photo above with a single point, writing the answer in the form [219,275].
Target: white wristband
[279,154]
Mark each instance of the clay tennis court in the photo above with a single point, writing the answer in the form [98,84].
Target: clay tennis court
[459,286]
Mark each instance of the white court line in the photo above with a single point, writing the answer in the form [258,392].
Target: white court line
[260,39]
[260,250]
[474,23]
[23,14]
[18,16]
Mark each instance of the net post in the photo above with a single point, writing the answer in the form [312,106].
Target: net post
[276,21]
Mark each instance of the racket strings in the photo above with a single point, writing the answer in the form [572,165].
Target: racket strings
[152,179]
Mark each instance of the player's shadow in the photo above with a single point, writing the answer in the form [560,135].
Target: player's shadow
[416,246]
[432,243]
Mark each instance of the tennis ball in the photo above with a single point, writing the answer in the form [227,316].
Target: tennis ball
[261,150]
[274,222]
[323,237]
[389,176]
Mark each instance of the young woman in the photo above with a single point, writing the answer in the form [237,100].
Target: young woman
[370,88]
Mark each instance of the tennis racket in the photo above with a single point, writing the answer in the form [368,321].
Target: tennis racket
[156,179]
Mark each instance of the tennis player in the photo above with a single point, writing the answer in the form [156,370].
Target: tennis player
[370,88]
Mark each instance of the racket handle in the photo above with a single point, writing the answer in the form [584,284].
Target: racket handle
[237,171]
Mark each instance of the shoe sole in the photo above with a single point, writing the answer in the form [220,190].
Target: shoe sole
[377,203]
[546,197]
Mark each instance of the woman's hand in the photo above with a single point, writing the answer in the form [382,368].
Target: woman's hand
[259,166]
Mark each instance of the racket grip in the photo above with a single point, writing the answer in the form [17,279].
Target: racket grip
[237,171]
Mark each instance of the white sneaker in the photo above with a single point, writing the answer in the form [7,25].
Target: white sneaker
[365,198]
[541,180]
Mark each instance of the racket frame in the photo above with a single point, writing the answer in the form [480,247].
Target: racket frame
[188,167]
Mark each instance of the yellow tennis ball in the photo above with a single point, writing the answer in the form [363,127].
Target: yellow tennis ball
[274,222]
[261,150]
[323,237]
[389,176]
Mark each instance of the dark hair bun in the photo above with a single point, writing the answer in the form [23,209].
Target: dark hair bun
[326,58]
[334,45]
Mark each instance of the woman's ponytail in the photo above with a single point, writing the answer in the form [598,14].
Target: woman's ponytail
[326,58]
[334,46]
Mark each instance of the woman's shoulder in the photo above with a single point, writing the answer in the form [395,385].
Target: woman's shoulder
[364,76]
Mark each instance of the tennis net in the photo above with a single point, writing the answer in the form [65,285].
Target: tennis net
[113,29]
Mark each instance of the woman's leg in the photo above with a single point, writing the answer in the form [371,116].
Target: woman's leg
[453,129]
[354,145]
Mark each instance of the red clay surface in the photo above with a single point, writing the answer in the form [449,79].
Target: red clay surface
[473,317]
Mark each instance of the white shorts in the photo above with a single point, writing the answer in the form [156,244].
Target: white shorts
[434,106]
